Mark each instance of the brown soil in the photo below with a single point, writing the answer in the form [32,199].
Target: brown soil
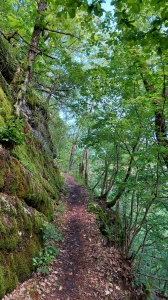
[85,268]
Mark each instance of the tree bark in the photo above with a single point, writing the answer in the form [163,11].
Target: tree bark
[104,184]
[33,51]
[160,122]
[122,190]
[71,160]
[72,157]
[86,166]
[110,186]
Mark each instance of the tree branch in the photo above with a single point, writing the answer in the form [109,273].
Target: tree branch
[35,49]
[128,174]
[62,32]
[9,36]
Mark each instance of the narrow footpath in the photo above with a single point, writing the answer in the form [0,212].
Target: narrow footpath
[85,268]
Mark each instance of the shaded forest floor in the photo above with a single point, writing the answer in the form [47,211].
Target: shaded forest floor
[85,268]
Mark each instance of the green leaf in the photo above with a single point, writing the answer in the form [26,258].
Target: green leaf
[59,14]
[135,8]
[119,5]
[85,6]
[13,21]
[90,8]
[72,12]
[154,2]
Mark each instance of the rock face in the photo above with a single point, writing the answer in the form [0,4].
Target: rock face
[8,63]
[37,117]
[29,183]
[19,240]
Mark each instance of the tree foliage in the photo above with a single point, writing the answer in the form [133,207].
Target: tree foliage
[107,75]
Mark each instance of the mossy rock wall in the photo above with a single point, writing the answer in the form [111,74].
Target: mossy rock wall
[5,106]
[30,179]
[37,116]
[29,189]
[19,241]
[8,63]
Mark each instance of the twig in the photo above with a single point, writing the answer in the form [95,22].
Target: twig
[62,32]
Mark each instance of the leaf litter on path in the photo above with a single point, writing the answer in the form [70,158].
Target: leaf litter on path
[85,268]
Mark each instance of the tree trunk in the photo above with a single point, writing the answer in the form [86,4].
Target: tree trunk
[122,190]
[81,169]
[98,181]
[110,186]
[72,157]
[71,160]
[160,123]
[104,184]
[33,51]
[86,166]
[51,92]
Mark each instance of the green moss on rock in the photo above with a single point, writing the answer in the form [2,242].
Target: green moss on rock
[18,180]
[20,240]
[2,168]
[38,220]
[7,60]
[32,186]
[29,189]
[9,242]
[5,105]
[2,123]
[32,99]
[5,88]
[11,279]
[2,282]
[22,266]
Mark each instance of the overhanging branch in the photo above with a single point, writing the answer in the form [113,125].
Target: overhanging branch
[61,32]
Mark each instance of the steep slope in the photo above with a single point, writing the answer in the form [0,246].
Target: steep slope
[29,179]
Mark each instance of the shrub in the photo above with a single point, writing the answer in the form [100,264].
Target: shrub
[45,257]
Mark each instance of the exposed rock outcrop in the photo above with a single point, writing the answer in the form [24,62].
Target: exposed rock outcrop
[29,180]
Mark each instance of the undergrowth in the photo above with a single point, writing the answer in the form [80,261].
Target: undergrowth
[50,235]
[12,131]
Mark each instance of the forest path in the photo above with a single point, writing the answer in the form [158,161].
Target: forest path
[84,268]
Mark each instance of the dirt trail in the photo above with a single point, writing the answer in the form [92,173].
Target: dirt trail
[84,268]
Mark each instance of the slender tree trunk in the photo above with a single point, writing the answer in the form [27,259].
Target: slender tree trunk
[71,160]
[81,169]
[110,186]
[98,181]
[122,190]
[86,166]
[72,157]
[104,184]
[33,51]
[160,122]
[51,92]
[82,166]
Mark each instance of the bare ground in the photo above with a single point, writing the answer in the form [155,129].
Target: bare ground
[85,268]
